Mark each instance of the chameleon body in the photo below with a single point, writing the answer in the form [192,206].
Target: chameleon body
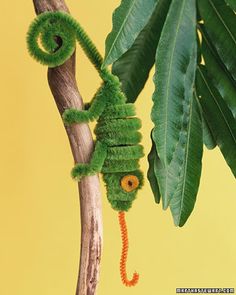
[117,147]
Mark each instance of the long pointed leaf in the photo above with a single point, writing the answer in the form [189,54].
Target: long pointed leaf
[218,73]
[128,20]
[152,170]
[183,201]
[133,67]
[219,21]
[208,138]
[219,116]
[174,78]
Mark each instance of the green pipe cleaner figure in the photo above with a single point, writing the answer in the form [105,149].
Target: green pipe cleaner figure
[117,148]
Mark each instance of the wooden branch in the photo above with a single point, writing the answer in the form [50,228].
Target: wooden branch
[64,89]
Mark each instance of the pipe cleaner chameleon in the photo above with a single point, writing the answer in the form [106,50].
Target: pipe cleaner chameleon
[117,149]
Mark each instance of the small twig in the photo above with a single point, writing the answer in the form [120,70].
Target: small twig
[66,94]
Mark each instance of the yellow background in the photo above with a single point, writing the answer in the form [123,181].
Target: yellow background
[39,215]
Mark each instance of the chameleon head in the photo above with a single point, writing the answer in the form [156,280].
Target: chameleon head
[122,188]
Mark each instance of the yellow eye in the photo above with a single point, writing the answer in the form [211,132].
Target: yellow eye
[129,183]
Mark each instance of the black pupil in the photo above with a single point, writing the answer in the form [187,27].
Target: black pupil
[130,183]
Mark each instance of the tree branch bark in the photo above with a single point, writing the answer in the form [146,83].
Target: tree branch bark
[64,88]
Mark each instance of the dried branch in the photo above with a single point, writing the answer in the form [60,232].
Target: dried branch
[66,94]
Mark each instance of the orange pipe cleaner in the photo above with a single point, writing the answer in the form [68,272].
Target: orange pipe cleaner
[124,254]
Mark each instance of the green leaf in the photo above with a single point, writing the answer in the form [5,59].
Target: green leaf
[152,170]
[128,20]
[232,4]
[219,22]
[208,138]
[218,73]
[174,79]
[184,198]
[219,117]
[133,67]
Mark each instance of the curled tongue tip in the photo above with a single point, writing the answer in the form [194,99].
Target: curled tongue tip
[124,254]
[132,282]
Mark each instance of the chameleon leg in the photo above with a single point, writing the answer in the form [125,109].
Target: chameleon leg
[71,116]
[95,108]
[95,166]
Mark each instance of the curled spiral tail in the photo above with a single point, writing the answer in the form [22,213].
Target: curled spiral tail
[123,260]
[49,28]
[58,32]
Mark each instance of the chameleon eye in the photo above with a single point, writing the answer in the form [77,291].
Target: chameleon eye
[129,183]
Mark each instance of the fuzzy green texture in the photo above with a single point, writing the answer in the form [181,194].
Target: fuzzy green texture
[117,150]
[112,166]
[119,111]
[119,199]
[93,111]
[108,94]
[125,152]
[85,169]
[110,126]
[49,25]
[122,138]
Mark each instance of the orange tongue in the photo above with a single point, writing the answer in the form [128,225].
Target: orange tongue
[124,254]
